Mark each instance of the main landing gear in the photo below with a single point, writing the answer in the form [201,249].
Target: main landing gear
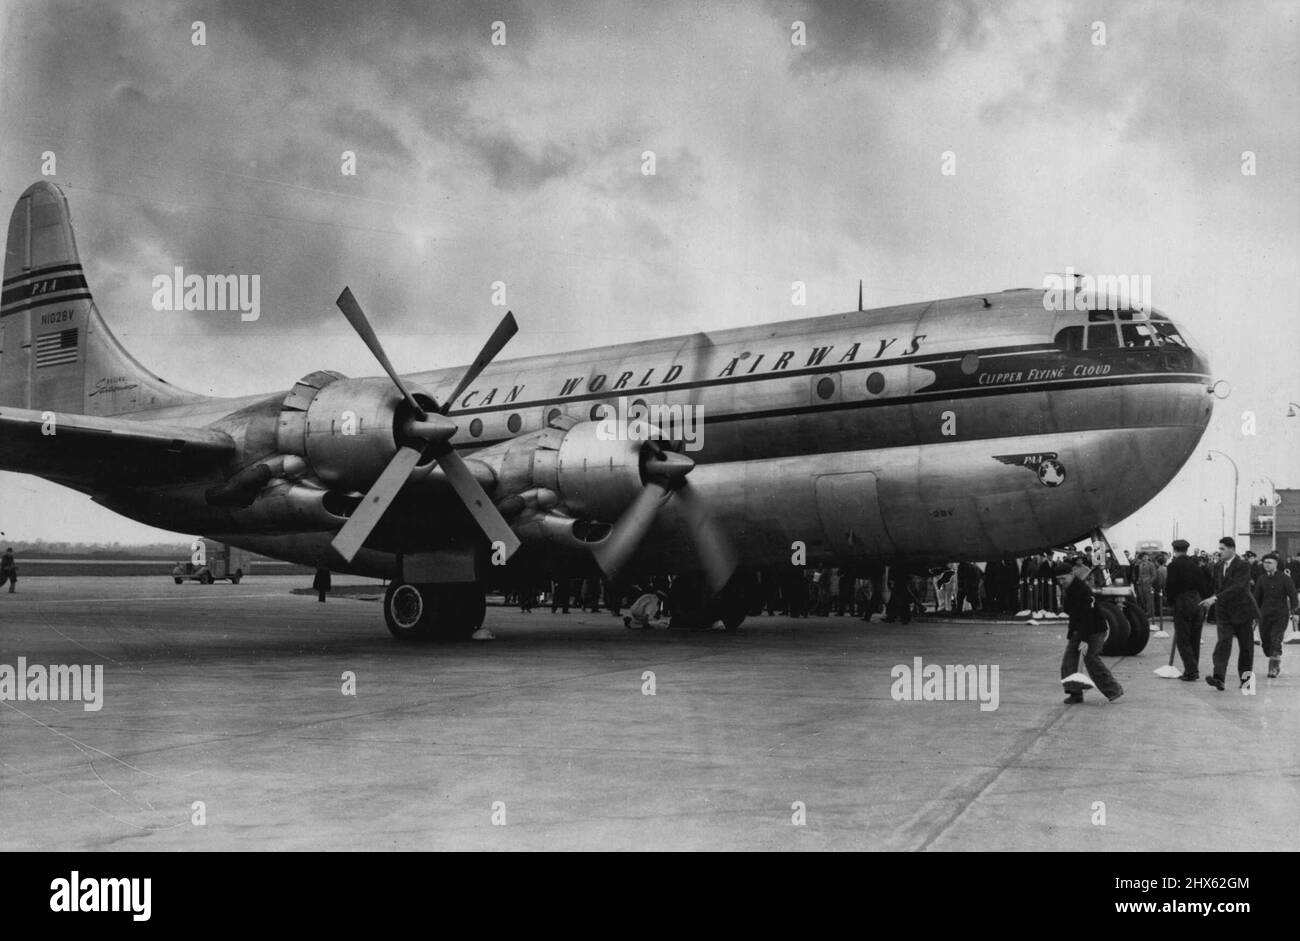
[424,612]
[694,608]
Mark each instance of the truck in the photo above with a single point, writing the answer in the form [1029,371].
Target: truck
[217,561]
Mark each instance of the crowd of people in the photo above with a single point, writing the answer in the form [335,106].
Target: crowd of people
[1026,585]
[1236,592]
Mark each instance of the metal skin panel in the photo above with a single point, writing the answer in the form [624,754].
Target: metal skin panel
[988,508]
[849,507]
[350,434]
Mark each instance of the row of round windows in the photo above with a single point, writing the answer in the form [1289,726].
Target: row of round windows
[825,389]
[515,422]
[826,385]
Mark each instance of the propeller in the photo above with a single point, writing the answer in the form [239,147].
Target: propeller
[352,310]
[714,548]
[433,432]
[665,473]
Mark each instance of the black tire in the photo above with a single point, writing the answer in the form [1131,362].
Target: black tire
[1117,641]
[732,619]
[1139,630]
[234,579]
[407,612]
[207,578]
[465,607]
[178,580]
[729,606]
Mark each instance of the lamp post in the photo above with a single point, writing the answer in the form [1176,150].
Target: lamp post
[1273,501]
[1236,479]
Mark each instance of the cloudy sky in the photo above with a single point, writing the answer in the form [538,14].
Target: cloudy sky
[774,162]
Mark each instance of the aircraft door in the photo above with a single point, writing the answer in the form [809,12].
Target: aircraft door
[849,507]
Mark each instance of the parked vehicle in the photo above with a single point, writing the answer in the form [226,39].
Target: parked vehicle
[220,562]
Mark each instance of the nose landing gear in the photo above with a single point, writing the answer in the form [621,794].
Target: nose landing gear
[1118,602]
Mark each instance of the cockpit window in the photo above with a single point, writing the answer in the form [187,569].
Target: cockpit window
[1138,336]
[1102,336]
[1168,334]
[1070,340]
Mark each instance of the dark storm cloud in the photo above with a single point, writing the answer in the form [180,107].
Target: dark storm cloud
[359,127]
[511,167]
[299,32]
[591,157]
[880,34]
[1188,78]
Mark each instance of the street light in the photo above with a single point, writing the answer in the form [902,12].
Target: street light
[1273,501]
[1236,479]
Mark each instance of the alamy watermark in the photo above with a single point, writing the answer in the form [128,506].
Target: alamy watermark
[952,682]
[1072,291]
[181,291]
[56,683]
[639,421]
[84,894]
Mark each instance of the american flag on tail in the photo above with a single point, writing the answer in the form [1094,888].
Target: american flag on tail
[55,349]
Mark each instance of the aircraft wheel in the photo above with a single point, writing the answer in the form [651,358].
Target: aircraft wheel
[463,608]
[1117,641]
[731,605]
[407,612]
[1139,630]
[234,579]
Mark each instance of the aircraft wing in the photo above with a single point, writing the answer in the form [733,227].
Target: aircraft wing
[89,452]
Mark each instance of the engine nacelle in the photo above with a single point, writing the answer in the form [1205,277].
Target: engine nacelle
[347,429]
[594,477]
[290,507]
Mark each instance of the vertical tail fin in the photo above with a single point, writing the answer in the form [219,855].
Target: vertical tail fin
[56,352]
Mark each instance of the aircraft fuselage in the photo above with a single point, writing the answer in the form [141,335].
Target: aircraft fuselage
[961,429]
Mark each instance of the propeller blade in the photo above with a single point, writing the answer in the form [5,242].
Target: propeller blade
[714,548]
[495,343]
[382,493]
[622,542]
[352,310]
[476,500]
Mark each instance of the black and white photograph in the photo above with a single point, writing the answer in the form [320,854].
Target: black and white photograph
[787,425]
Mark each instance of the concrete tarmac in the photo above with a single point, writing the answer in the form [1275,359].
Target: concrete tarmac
[227,702]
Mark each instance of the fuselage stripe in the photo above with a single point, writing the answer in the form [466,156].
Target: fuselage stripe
[922,397]
[631,393]
[45,301]
[40,272]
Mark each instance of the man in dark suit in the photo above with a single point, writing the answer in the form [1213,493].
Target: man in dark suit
[1187,584]
[1234,613]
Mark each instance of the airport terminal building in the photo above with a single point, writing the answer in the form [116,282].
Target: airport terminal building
[1285,517]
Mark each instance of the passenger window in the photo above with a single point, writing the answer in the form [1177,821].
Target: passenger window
[1070,340]
[1102,336]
